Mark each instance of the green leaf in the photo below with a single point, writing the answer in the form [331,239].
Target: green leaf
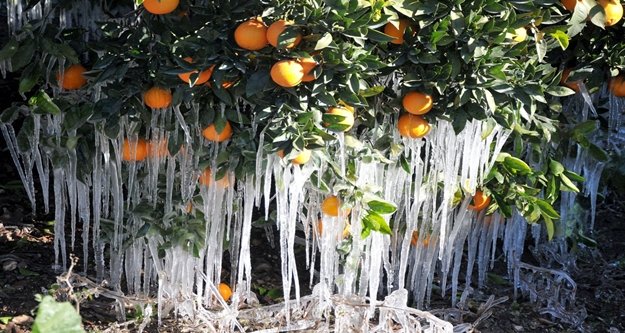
[573,176]
[23,55]
[370,92]
[568,183]
[517,165]
[585,127]
[556,167]
[53,316]
[44,103]
[598,153]
[562,38]
[5,320]
[376,222]
[547,209]
[9,49]
[324,41]
[382,207]
[257,82]
[560,91]
[550,228]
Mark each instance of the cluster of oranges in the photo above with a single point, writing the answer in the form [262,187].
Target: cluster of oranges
[613,9]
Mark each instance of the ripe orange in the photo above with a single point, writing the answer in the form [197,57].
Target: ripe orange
[480,201]
[225,291]
[308,64]
[414,239]
[201,78]
[160,7]
[347,106]
[157,98]
[287,73]
[398,34]
[251,35]
[134,150]
[417,102]
[569,4]
[412,126]
[276,29]
[211,134]
[564,80]
[613,11]
[207,179]
[72,77]
[617,86]
[339,125]
[158,148]
[331,206]
[301,158]
[346,231]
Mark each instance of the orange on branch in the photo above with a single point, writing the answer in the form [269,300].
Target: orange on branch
[158,148]
[251,35]
[207,179]
[276,29]
[617,86]
[414,239]
[396,32]
[565,82]
[613,11]
[412,126]
[134,150]
[287,73]
[204,75]
[72,78]
[417,102]
[331,206]
[308,64]
[569,4]
[211,134]
[480,201]
[342,119]
[225,291]
[302,158]
[157,98]
[160,7]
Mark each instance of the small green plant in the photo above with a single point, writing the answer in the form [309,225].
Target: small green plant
[53,316]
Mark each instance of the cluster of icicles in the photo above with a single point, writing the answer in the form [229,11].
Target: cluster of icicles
[102,202]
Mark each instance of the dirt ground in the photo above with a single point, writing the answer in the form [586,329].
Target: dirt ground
[27,257]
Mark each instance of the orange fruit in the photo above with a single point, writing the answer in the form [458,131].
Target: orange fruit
[331,206]
[301,158]
[276,29]
[564,80]
[287,73]
[396,33]
[613,11]
[157,98]
[347,106]
[346,231]
[251,35]
[207,179]
[225,291]
[134,150]
[158,148]
[412,126]
[308,64]
[160,7]
[201,78]
[569,4]
[342,125]
[480,201]
[417,102]
[414,240]
[211,134]
[617,86]
[72,77]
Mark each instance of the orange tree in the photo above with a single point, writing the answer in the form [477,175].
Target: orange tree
[326,67]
